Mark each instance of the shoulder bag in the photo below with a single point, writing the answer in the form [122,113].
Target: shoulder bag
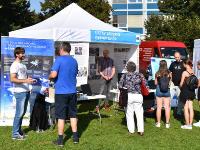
[123,95]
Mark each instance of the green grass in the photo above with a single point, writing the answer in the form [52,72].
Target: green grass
[111,134]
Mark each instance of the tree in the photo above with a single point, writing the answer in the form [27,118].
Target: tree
[15,14]
[99,8]
[180,7]
[175,24]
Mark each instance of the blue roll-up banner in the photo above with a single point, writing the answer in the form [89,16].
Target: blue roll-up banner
[38,60]
[115,37]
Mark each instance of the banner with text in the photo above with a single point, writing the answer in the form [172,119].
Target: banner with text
[115,37]
[38,60]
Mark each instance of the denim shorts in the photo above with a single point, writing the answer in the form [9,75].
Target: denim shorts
[161,94]
[65,106]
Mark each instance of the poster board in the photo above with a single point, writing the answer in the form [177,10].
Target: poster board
[80,51]
[38,60]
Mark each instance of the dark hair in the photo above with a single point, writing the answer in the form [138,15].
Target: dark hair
[163,70]
[131,67]
[188,62]
[19,50]
[63,45]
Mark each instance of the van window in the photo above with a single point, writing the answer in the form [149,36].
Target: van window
[156,52]
[168,52]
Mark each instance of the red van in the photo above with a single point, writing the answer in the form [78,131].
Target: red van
[161,49]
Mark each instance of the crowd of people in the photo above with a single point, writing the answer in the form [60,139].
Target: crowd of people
[64,72]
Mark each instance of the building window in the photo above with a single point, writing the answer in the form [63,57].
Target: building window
[120,21]
[135,1]
[152,1]
[119,1]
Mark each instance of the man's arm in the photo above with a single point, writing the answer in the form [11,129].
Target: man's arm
[113,72]
[14,79]
[53,75]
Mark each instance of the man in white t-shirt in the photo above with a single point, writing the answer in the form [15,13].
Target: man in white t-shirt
[20,80]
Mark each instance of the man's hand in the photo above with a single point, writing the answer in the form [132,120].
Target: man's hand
[30,80]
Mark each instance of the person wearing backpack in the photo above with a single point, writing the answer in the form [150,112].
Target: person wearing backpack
[188,93]
[162,80]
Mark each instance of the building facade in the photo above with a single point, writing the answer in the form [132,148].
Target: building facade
[130,15]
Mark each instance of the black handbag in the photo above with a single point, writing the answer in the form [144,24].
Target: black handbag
[123,96]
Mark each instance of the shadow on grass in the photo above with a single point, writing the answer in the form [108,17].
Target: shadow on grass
[196,116]
[86,113]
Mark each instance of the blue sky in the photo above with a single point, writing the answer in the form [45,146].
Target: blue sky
[35,5]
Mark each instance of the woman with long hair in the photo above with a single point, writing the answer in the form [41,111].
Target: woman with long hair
[161,95]
[187,95]
[132,81]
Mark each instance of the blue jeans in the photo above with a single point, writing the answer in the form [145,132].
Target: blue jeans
[21,106]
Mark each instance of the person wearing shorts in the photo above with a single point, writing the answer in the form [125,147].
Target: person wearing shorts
[162,97]
[64,72]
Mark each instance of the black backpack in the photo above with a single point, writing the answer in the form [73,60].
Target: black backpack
[163,83]
[192,82]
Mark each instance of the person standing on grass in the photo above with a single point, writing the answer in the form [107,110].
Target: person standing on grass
[197,124]
[187,95]
[107,71]
[64,72]
[21,81]
[177,69]
[132,81]
[162,96]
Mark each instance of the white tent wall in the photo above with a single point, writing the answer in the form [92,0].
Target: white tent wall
[120,60]
[196,56]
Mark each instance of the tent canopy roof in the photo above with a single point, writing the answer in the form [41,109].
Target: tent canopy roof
[70,24]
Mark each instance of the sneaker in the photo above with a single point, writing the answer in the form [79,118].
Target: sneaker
[76,140]
[23,134]
[19,137]
[197,124]
[186,127]
[39,131]
[157,125]
[167,125]
[58,143]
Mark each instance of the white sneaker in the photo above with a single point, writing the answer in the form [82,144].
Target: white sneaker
[197,124]
[186,127]
[157,125]
[167,125]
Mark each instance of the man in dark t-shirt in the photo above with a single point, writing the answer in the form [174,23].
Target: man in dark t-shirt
[177,69]
[107,71]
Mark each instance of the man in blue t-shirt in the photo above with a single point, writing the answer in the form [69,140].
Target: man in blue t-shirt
[64,72]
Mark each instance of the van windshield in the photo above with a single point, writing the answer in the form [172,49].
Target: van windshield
[168,52]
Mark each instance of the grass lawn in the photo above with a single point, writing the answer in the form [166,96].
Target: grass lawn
[111,134]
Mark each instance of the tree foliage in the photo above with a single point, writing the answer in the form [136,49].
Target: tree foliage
[180,7]
[180,22]
[15,14]
[99,8]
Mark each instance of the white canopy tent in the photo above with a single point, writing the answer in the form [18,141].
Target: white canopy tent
[75,24]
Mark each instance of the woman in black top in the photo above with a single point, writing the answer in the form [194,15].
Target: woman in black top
[187,95]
